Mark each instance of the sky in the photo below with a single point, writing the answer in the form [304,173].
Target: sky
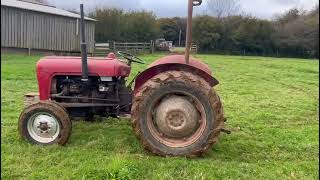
[265,9]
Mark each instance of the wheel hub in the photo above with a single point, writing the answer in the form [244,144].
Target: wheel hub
[176,117]
[43,127]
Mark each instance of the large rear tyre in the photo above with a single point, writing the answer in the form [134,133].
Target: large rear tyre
[177,113]
[45,123]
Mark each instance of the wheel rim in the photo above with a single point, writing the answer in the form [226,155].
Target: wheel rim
[43,127]
[177,119]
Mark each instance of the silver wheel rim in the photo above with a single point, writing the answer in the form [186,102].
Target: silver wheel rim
[43,127]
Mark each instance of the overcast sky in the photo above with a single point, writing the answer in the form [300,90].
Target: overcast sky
[168,8]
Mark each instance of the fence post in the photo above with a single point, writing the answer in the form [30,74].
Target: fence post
[143,48]
[114,46]
[94,49]
[196,49]
[151,47]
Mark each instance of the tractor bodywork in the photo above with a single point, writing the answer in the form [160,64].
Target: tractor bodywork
[176,62]
[105,93]
[174,108]
[50,67]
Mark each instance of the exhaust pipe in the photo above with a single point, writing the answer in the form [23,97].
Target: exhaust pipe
[191,3]
[84,55]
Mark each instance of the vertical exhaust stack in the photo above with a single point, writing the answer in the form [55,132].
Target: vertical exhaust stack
[84,55]
[191,3]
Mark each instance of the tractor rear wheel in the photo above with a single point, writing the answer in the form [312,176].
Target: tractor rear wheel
[45,123]
[177,113]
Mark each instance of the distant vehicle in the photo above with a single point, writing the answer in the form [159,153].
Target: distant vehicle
[163,45]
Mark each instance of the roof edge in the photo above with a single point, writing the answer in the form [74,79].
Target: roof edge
[41,8]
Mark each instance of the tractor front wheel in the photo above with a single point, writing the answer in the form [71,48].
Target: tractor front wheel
[45,123]
[177,113]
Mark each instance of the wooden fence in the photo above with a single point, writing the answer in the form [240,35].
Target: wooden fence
[194,48]
[102,49]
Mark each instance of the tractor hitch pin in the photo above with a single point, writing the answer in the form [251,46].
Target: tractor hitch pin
[189,27]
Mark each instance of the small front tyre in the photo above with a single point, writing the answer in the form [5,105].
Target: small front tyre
[45,123]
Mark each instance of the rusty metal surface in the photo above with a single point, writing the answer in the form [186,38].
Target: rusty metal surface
[179,59]
[175,62]
[180,76]
[176,117]
[31,98]
[189,31]
[191,3]
[180,141]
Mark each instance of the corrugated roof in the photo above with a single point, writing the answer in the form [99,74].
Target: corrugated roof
[40,8]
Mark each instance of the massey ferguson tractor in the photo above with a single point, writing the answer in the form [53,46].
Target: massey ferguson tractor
[173,106]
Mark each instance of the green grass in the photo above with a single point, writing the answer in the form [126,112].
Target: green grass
[272,107]
[178,49]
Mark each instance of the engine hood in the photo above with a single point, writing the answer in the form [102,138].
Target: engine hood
[72,66]
[51,66]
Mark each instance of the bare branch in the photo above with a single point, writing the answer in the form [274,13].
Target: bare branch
[224,8]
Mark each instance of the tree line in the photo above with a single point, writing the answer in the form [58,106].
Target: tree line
[292,34]
[117,25]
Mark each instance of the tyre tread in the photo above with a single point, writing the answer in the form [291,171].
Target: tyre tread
[187,78]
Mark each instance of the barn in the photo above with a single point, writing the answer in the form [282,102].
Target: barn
[34,26]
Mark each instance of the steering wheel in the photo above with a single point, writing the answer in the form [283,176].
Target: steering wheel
[131,58]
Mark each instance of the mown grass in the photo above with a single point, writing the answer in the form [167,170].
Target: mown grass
[272,107]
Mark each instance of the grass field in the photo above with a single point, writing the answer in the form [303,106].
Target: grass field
[272,106]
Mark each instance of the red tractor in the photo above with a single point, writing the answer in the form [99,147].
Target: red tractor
[174,109]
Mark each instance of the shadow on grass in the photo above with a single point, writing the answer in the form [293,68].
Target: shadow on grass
[117,136]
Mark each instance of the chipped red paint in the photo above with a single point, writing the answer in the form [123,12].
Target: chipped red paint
[175,62]
[180,59]
[48,67]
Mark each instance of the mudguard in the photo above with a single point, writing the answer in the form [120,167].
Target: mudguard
[175,62]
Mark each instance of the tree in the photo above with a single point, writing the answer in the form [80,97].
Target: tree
[290,15]
[293,34]
[109,24]
[139,26]
[254,36]
[182,25]
[116,25]
[169,29]
[297,33]
[224,8]
[206,32]
[228,25]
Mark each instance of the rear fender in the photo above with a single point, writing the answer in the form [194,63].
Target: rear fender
[154,70]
